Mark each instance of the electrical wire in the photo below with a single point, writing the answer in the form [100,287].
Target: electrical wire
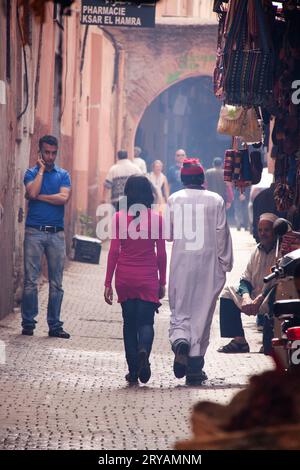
[25,65]
[117,56]
[83,56]
[66,71]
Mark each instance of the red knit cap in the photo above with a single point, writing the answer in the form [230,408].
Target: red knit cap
[192,166]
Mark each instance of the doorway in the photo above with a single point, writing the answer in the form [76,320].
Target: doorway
[183,116]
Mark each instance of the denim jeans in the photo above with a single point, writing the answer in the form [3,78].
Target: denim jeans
[36,244]
[138,331]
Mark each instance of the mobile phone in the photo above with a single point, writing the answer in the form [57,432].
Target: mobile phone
[41,158]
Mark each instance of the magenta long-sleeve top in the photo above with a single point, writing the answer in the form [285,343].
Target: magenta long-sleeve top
[137,255]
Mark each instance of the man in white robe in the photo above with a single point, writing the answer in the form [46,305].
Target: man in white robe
[201,256]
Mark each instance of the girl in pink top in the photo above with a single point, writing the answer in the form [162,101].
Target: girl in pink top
[138,255]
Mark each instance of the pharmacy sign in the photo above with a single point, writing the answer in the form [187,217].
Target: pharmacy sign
[122,14]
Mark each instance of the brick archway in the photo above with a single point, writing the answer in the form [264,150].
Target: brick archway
[152,60]
[184,116]
[182,78]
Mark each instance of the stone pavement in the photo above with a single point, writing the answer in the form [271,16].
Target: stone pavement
[71,394]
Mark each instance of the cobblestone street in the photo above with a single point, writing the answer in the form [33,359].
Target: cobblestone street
[71,394]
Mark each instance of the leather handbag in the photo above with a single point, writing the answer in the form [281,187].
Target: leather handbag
[251,130]
[231,120]
[239,121]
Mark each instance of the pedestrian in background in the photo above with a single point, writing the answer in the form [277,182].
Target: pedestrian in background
[116,178]
[160,183]
[48,189]
[241,215]
[140,279]
[215,182]
[174,172]
[139,161]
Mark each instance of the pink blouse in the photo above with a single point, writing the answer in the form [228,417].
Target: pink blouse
[138,254]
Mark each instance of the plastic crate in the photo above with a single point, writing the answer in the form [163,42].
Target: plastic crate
[86,249]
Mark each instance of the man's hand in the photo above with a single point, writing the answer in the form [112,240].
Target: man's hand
[40,162]
[247,305]
[257,303]
[33,188]
[28,197]
[108,295]
[161,292]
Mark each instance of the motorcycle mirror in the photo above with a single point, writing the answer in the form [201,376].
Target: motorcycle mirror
[280,227]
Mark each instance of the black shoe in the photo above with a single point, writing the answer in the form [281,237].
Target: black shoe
[204,376]
[59,334]
[144,370]
[27,332]
[195,380]
[181,350]
[131,379]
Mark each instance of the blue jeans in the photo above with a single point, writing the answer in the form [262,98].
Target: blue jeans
[36,244]
[138,331]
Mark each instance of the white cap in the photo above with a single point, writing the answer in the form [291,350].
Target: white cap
[268,216]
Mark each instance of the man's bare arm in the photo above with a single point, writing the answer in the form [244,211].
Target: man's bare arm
[34,187]
[105,195]
[59,199]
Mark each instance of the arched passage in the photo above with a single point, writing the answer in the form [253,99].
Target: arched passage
[183,116]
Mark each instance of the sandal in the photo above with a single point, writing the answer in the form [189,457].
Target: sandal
[235,347]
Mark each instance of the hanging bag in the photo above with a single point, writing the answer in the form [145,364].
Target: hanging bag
[242,175]
[283,193]
[218,74]
[228,165]
[231,120]
[246,172]
[251,130]
[256,166]
[237,166]
[239,121]
[248,59]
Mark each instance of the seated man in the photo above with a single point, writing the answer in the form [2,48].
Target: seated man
[252,295]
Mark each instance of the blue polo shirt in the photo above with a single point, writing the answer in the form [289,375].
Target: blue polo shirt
[43,213]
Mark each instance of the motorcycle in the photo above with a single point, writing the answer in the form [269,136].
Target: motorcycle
[286,311]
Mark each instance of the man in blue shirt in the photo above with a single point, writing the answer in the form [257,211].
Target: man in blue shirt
[48,189]
[174,179]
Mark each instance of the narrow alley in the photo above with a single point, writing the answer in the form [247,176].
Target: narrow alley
[71,394]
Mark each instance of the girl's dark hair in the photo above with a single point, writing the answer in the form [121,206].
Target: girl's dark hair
[138,190]
[196,180]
